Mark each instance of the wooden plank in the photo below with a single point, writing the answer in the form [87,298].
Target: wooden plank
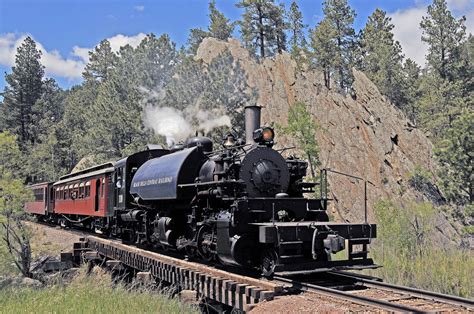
[267,285]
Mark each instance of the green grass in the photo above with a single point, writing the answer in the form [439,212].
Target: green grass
[87,294]
[447,271]
[409,255]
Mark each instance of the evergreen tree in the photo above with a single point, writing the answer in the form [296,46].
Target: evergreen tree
[467,68]
[444,36]
[302,128]
[440,104]
[155,60]
[296,28]
[382,57]
[262,26]
[455,153]
[114,121]
[196,36]
[340,17]
[102,61]
[24,88]
[11,158]
[411,73]
[325,55]
[49,109]
[218,88]
[220,27]
[78,102]
[279,26]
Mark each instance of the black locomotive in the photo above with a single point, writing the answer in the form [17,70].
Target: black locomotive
[240,205]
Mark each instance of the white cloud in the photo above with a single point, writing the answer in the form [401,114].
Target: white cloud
[408,32]
[70,67]
[82,53]
[120,40]
[139,8]
[8,46]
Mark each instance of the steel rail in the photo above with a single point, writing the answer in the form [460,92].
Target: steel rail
[418,293]
[345,296]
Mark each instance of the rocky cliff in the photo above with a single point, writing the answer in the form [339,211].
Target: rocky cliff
[362,134]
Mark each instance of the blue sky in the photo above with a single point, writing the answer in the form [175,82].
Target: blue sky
[66,30]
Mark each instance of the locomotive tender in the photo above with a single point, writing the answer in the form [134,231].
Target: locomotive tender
[240,205]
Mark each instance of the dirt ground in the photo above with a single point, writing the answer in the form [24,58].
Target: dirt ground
[308,303]
[48,240]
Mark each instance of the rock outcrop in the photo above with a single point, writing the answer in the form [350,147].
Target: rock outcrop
[364,135]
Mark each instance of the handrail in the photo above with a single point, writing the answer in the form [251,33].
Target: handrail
[324,187]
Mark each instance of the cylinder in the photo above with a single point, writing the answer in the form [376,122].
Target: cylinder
[252,122]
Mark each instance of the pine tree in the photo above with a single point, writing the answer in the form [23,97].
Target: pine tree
[114,121]
[455,154]
[381,57]
[340,18]
[279,26]
[49,109]
[467,68]
[78,102]
[196,36]
[220,27]
[155,61]
[261,26]
[296,28]
[324,47]
[24,88]
[217,88]
[411,73]
[102,60]
[444,36]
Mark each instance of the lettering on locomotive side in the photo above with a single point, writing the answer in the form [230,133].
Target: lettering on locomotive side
[162,180]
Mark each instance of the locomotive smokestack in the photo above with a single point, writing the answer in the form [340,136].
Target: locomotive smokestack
[252,122]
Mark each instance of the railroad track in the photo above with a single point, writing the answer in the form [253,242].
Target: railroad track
[243,291]
[371,292]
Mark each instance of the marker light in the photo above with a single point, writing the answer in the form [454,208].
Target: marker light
[268,134]
[264,136]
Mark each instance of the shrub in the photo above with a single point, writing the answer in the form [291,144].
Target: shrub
[409,255]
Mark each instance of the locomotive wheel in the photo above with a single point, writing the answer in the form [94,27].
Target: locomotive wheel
[202,248]
[269,261]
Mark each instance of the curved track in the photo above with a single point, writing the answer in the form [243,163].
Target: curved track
[355,288]
[371,292]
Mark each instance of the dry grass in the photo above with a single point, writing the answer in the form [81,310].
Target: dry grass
[410,257]
[93,293]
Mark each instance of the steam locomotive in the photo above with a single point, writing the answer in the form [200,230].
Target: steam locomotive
[240,205]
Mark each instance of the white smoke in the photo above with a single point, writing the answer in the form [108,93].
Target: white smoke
[167,122]
[176,126]
[208,122]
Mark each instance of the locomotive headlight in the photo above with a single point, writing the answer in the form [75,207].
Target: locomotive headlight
[264,135]
[268,134]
